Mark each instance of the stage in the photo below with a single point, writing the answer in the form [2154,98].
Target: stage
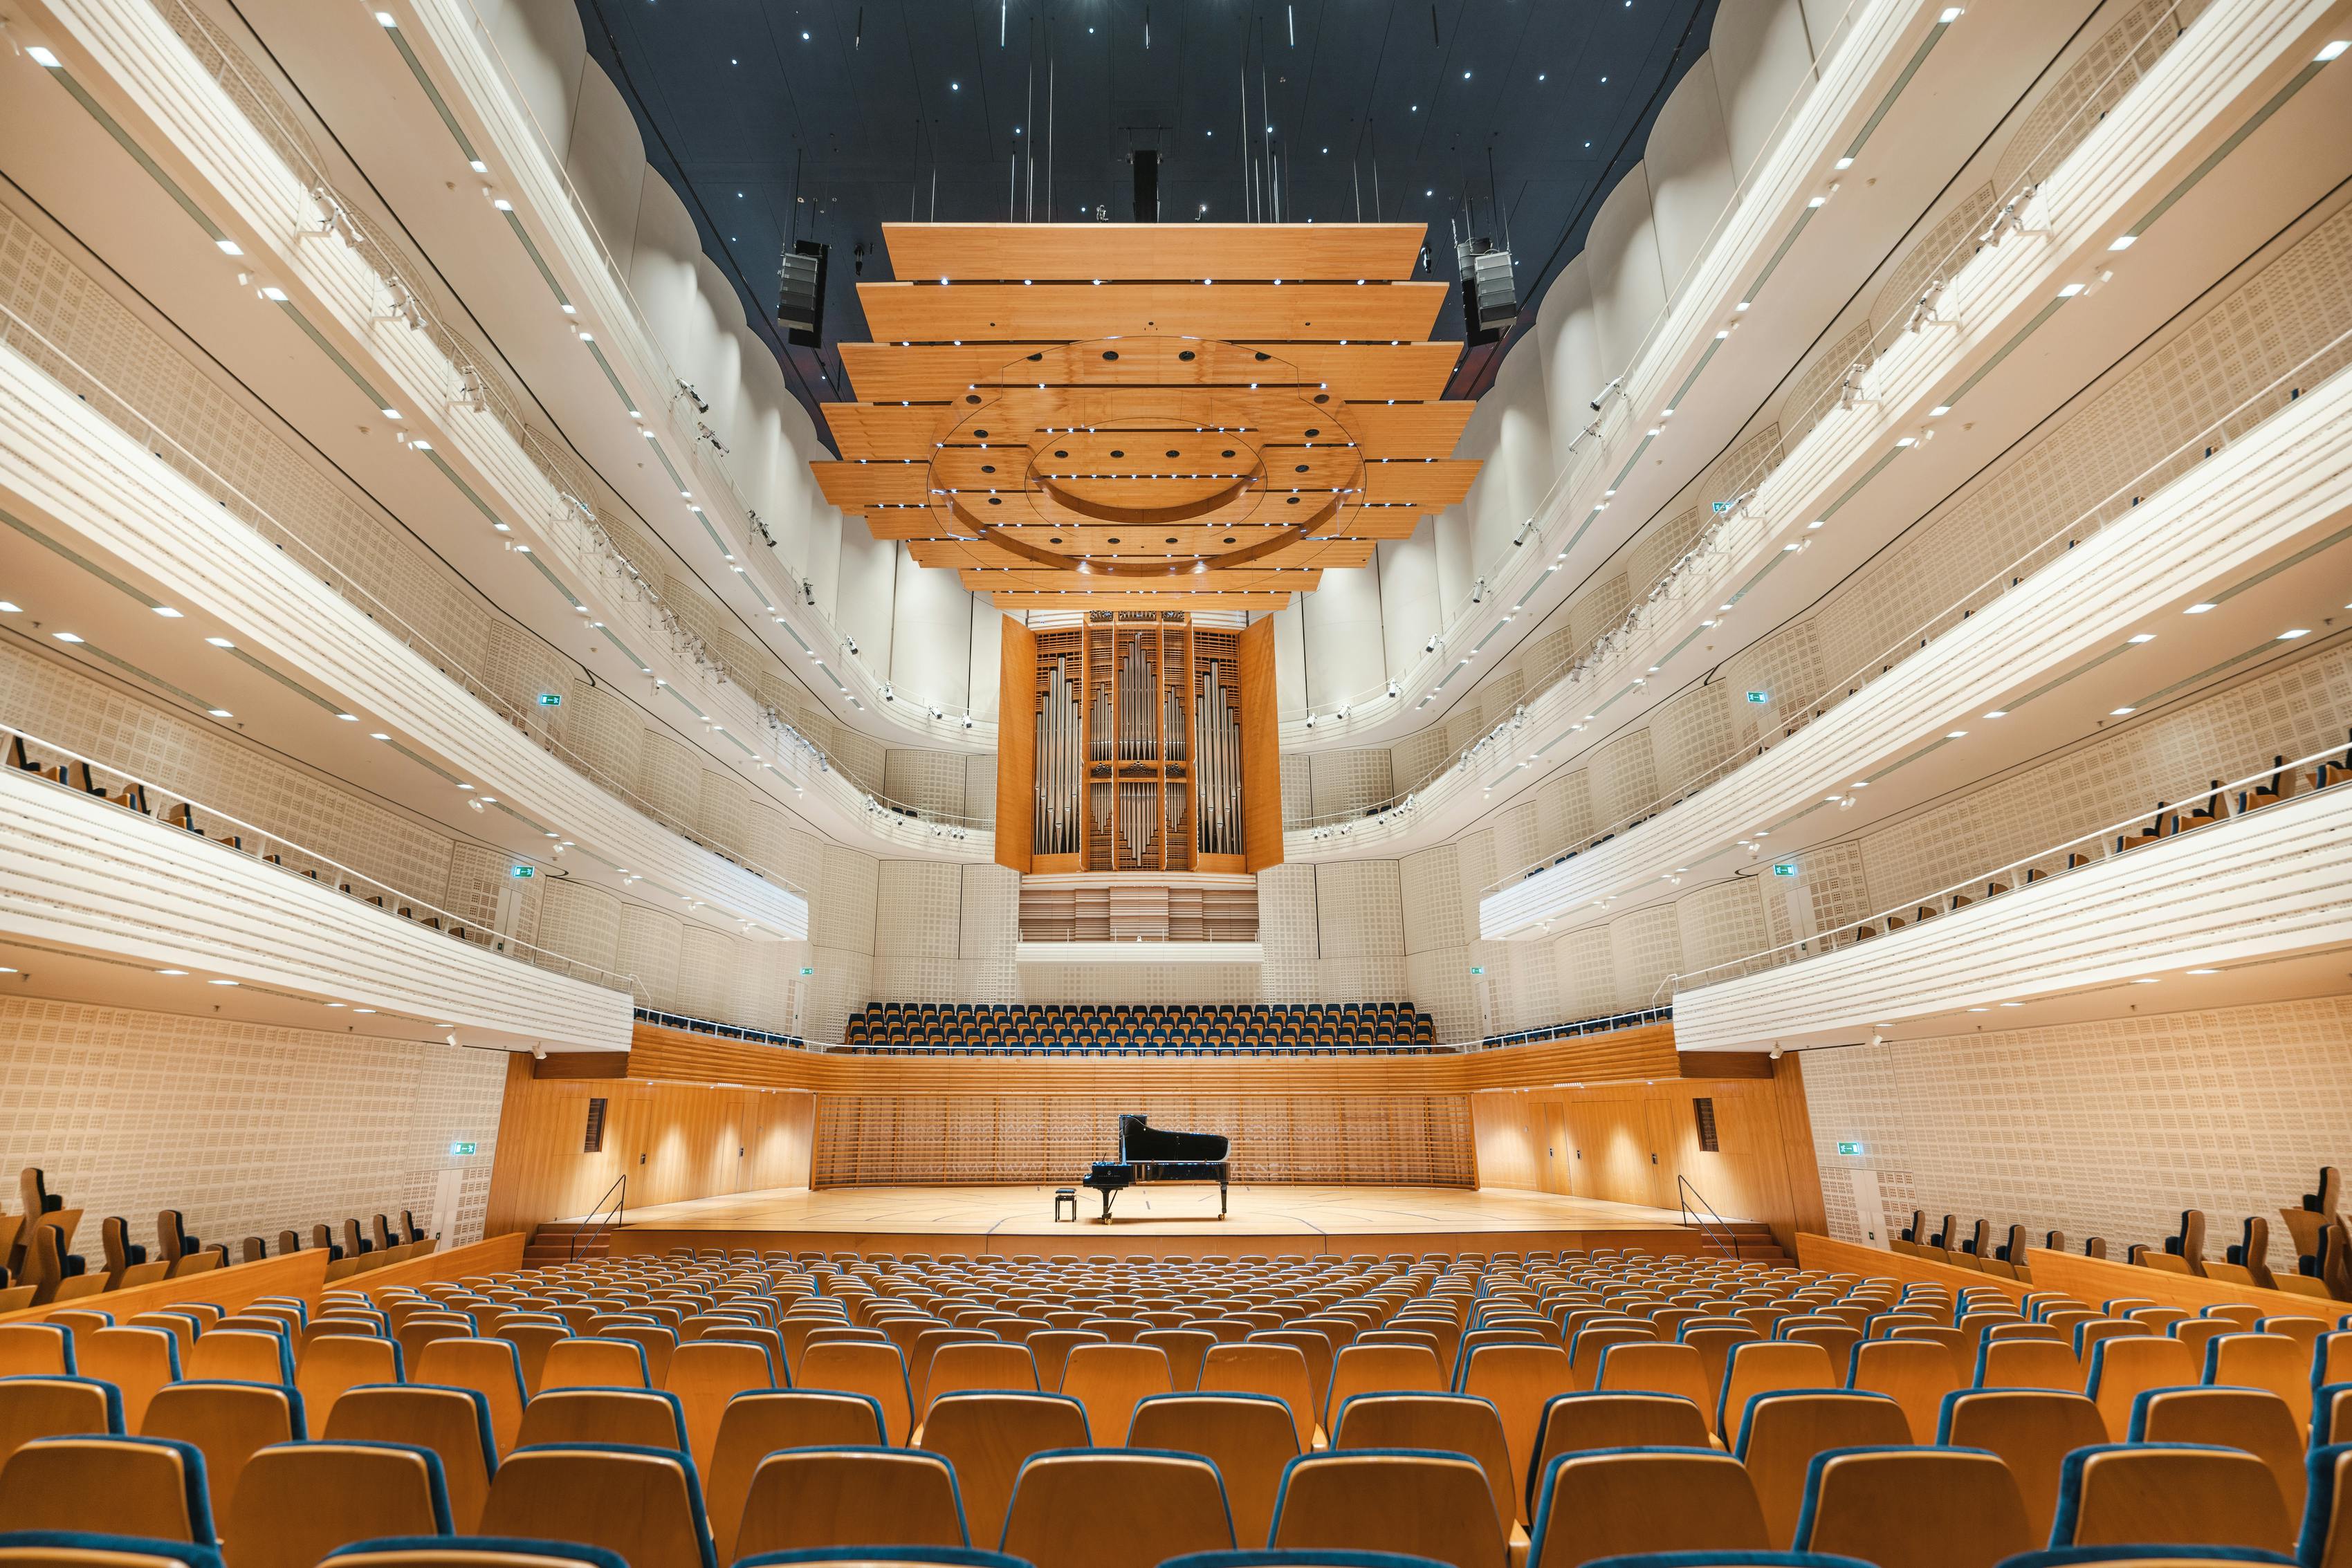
[1273,1220]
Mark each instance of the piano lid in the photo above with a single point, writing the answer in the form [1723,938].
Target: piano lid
[1139,1142]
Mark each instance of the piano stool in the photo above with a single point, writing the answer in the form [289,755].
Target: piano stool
[1066,1197]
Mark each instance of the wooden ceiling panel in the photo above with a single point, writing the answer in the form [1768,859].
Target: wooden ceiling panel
[979,252]
[1144,440]
[1014,312]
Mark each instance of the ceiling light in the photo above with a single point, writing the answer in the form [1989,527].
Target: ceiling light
[2123,242]
[1998,713]
[2012,1004]
[165,611]
[477,166]
[220,713]
[2071,290]
[220,982]
[2292,632]
[1940,410]
[2142,637]
[2145,980]
[274,294]
[229,248]
[378,735]
[1951,14]
[390,413]
[2328,51]
[2204,971]
[42,57]
[1842,163]
[2121,712]
[67,636]
[171,971]
[8,608]
[363,1010]
[2198,609]
[1955,734]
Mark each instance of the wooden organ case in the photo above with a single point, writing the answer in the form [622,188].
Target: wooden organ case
[1137,741]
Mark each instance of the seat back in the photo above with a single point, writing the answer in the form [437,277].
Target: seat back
[35,1406]
[643,1503]
[850,1496]
[1186,1349]
[1652,1367]
[93,1548]
[1448,1423]
[988,1435]
[1127,1507]
[1769,1367]
[137,1486]
[1381,1368]
[979,1365]
[137,1361]
[1782,1431]
[640,1418]
[872,1367]
[241,1356]
[2326,1537]
[2111,1493]
[2028,1363]
[2251,1420]
[756,1425]
[1418,1501]
[1618,1501]
[229,1423]
[489,1366]
[2278,1362]
[1255,1367]
[1917,1373]
[454,1423]
[1110,1380]
[2122,1369]
[36,1349]
[703,1375]
[1517,1379]
[582,1362]
[1052,1347]
[2032,1430]
[1914,1508]
[333,1362]
[1250,1437]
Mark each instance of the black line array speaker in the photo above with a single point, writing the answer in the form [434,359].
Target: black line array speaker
[800,300]
[1490,294]
[1145,163]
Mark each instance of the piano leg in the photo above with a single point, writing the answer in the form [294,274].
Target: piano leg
[1108,1194]
[1221,1197]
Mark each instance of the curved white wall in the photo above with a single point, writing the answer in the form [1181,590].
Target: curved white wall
[1344,655]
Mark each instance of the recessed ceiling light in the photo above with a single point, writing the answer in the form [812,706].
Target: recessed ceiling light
[8,608]
[2145,980]
[220,982]
[165,611]
[67,636]
[2198,609]
[171,971]
[2204,971]
[220,641]
[2292,632]
[363,1010]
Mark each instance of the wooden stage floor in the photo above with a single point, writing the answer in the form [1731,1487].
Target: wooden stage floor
[1175,1219]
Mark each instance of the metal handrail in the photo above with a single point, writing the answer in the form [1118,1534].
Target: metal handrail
[1718,1233]
[620,1212]
[493,941]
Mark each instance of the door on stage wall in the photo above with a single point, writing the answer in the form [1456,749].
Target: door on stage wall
[1553,1168]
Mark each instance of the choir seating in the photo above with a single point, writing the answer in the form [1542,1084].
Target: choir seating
[1191,1029]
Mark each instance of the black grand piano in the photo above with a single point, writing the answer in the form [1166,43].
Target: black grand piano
[1148,1154]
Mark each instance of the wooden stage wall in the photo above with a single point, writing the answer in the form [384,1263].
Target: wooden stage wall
[1627,1141]
[691,1115]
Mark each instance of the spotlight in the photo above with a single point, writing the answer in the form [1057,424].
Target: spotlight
[1602,396]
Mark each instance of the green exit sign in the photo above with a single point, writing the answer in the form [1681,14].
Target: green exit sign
[1845,1148]
[1477,969]
[806,971]
[1784,868]
[1760,696]
[524,871]
[551,699]
[461,1148]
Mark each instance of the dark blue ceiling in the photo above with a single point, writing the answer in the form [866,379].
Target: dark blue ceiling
[828,117]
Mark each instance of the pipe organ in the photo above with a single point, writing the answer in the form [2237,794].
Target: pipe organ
[1139,756]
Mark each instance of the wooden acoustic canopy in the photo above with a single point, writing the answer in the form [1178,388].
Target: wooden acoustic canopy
[1194,416]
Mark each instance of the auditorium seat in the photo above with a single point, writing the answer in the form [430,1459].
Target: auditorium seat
[2121,1370]
[1449,1423]
[1765,1367]
[229,1423]
[1128,1508]
[1257,1368]
[1109,1380]
[703,1375]
[1517,1379]
[987,1437]
[41,1349]
[2276,1361]
[487,1367]
[453,1424]
[1652,1367]
[1783,1430]
[1437,1505]
[1188,1348]
[641,1418]
[2326,1540]
[35,1406]
[241,1356]
[1915,1374]
[850,1496]
[977,1364]
[94,1549]
[2110,1494]
[138,1486]
[137,1361]
[1249,1438]
[875,1369]
[2028,1363]
[758,1424]
[329,1365]
[1913,1508]
[471,1552]
[1616,1502]
[2331,1415]
[643,1503]
[583,1362]
[2253,1420]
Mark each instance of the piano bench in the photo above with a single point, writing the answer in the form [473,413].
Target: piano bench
[1066,1197]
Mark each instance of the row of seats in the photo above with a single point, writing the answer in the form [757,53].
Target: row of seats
[1194,1027]
[1547,1408]
[2324,1250]
[38,1266]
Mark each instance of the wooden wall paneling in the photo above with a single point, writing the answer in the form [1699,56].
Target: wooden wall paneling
[1016,745]
[1261,749]
[300,1274]
[493,1255]
[2095,1280]
[1815,1251]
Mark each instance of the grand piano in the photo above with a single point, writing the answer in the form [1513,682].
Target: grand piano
[1148,1154]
